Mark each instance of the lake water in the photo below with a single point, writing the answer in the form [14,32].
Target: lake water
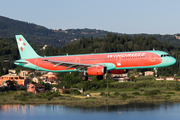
[164,111]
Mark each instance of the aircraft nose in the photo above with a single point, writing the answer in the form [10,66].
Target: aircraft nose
[172,60]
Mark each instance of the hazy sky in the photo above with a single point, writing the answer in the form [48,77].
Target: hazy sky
[123,16]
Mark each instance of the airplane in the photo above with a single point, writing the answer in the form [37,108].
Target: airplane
[91,64]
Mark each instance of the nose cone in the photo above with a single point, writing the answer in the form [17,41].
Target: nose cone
[172,61]
[167,61]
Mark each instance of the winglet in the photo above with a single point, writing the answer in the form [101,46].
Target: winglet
[25,50]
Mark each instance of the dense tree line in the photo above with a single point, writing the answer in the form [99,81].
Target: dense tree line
[9,52]
[115,43]
[110,43]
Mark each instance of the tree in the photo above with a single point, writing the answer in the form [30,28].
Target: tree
[11,84]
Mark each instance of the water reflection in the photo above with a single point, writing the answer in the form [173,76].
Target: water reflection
[127,107]
[136,111]
[113,108]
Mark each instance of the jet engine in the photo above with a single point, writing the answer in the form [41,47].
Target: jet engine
[97,70]
[119,71]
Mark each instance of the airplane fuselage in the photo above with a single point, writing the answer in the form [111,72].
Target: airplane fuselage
[91,64]
[113,61]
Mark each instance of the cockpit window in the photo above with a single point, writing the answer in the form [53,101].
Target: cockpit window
[164,55]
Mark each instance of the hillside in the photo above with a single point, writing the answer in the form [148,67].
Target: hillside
[41,35]
[58,37]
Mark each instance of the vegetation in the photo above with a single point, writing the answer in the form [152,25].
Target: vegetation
[115,43]
[41,35]
[110,43]
[159,91]
[58,38]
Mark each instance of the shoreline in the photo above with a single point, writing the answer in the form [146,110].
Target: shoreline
[89,102]
[123,97]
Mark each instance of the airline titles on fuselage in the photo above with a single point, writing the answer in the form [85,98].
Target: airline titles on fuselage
[126,55]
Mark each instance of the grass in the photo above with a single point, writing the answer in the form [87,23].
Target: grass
[124,97]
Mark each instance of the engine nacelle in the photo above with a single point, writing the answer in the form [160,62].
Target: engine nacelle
[119,71]
[97,70]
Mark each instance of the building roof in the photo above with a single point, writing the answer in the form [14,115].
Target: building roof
[10,75]
[38,85]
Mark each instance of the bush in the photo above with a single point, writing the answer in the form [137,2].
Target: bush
[116,93]
[102,94]
[66,92]
[177,88]
[167,96]
[125,96]
[76,92]
[135,88]
[50,97]
[23,98]
[141,89]
[170,93]
[135,93]
[152,92]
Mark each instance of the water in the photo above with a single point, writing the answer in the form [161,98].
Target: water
[165,111]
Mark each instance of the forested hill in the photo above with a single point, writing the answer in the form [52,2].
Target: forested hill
[41,35]
[58,37]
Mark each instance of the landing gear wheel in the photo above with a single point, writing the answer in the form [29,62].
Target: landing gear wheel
[99,77]
[84,78]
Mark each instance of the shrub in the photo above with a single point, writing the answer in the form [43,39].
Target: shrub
[49,97]
[152,92]
[177,88]
[77,92]
[102,94]
[48,93]
[170,93]
[56,94]
[135,88]
[135,93]
[125,96]
[23,98]
[141,89]
[116,93]
[167,96]
[66,92]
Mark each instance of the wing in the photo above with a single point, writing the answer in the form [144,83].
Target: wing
[77,66]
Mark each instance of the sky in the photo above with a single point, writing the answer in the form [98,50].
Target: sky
[122,16]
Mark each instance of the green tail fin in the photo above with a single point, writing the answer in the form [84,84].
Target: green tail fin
[25,50]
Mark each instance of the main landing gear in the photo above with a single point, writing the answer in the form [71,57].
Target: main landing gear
[85,77]
[99,77]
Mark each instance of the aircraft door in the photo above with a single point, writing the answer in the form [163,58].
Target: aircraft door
[118,61]
[152,58]
[78,60]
